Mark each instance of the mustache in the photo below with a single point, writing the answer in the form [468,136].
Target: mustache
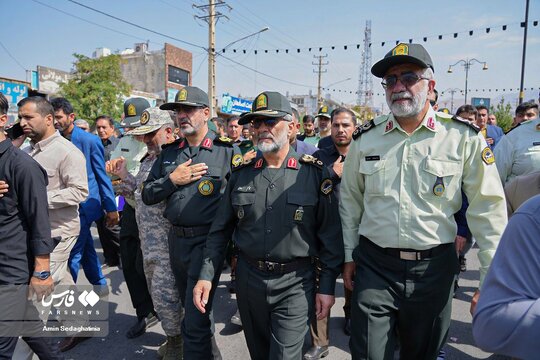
[402,95]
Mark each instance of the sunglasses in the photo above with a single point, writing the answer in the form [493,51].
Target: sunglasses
[408,79]
[269,123]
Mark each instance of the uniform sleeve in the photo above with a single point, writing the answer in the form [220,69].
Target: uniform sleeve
[157,188]
[504,155]
[31,187]
[106,192]
[351,204]
[506,318]
[510,191]
[73,175]
[329,234]
[486,214]
[220,233]
[127,187]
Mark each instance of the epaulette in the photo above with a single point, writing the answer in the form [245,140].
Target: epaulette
[466,122]
[360,129]
[512,128]
[175,142]
[310,159]
[243,164]
[224,140]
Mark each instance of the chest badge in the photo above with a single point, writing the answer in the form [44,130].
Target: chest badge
[206,187]
[299,214]
[438,188]
[326,186]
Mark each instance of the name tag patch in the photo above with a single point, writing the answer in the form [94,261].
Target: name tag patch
[373,158]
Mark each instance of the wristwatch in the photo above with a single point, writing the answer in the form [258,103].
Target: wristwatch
[42,275]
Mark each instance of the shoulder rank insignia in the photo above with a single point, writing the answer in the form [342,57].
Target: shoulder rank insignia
[362,129]
[487,156]
[326,186]
[224,140]
[463,121]
[237,160]
[310,159]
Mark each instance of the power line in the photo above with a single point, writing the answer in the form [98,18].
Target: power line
[11,56]
[137,26]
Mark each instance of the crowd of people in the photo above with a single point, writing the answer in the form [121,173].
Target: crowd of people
[392,205]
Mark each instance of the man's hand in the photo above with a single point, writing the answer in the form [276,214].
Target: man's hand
[474,301]
[186,173]
[112,218]
[117,167]
[349,268]
[338,167]
[323,304]
[250,155]
[459,242]
[4,188]
[42,288]
[201,291]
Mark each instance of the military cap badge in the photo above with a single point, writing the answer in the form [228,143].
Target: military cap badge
[401,49]
[131,111]
[261,102]
[182,95]
[145,117]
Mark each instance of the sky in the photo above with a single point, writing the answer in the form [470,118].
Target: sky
[36,34]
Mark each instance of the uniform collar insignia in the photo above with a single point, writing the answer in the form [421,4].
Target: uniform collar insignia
[389,126]
[292,163]
[258,164]
[207,144]
[182,144]
[430,123]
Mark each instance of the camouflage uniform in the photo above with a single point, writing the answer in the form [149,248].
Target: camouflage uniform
[153,230]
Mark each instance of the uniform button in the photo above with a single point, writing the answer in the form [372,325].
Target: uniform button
[272,186]
[182,196]
[267,256]
[269,208]
[268,231]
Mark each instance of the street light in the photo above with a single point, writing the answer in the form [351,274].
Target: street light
[467,64]
[212,69]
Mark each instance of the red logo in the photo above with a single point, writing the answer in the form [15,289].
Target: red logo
[258,164]
[207,143]
[182,144]
[431,123]
[389,126]
[292,163]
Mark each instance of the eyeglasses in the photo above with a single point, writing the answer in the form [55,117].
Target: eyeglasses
[269,123]
[408,79]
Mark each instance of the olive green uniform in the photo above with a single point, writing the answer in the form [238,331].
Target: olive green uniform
[281,219]
[190,209]
[399,193]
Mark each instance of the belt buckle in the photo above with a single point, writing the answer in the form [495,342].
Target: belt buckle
[188,232]
[261,265]
[270,266]
[409,255]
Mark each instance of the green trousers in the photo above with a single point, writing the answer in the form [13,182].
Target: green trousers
[406,299]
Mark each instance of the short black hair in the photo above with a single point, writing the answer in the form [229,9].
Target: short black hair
[4,105]
[295,113]
[482,107]
[43,107]
[341,110]
[219,122]
[63,104]
[308,118]
[523,107]
[233,118]
[106,117]
[469,109]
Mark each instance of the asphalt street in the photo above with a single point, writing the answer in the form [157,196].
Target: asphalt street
[230,337]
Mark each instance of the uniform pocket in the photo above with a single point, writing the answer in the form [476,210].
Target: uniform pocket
[374,178]
[300,206]
[437,175]
[242,203]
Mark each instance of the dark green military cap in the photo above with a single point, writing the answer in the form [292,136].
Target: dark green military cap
[403,54]
[324,111]
[188,96]
[268,104]
[133,109]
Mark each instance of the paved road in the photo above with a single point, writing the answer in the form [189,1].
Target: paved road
[230,337]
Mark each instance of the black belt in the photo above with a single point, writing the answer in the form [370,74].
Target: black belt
[189,232]
[276,267]
[409,254]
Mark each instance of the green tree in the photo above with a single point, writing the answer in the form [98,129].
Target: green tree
[503,113]
[96,87]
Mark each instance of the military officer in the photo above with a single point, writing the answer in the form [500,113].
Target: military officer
[400,188]
[283,213]
[518,152]
[191,174]
[323,123]
[157,129]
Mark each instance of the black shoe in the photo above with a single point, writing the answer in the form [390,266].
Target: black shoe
[347,326]
[316,352]
[141,325]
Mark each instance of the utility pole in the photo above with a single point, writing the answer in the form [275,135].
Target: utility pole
[212,19]
[365,79]
[320,71]
[521,92]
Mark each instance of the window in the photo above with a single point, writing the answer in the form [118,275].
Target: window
[178,76]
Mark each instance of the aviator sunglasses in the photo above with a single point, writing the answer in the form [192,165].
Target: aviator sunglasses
[408,79]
